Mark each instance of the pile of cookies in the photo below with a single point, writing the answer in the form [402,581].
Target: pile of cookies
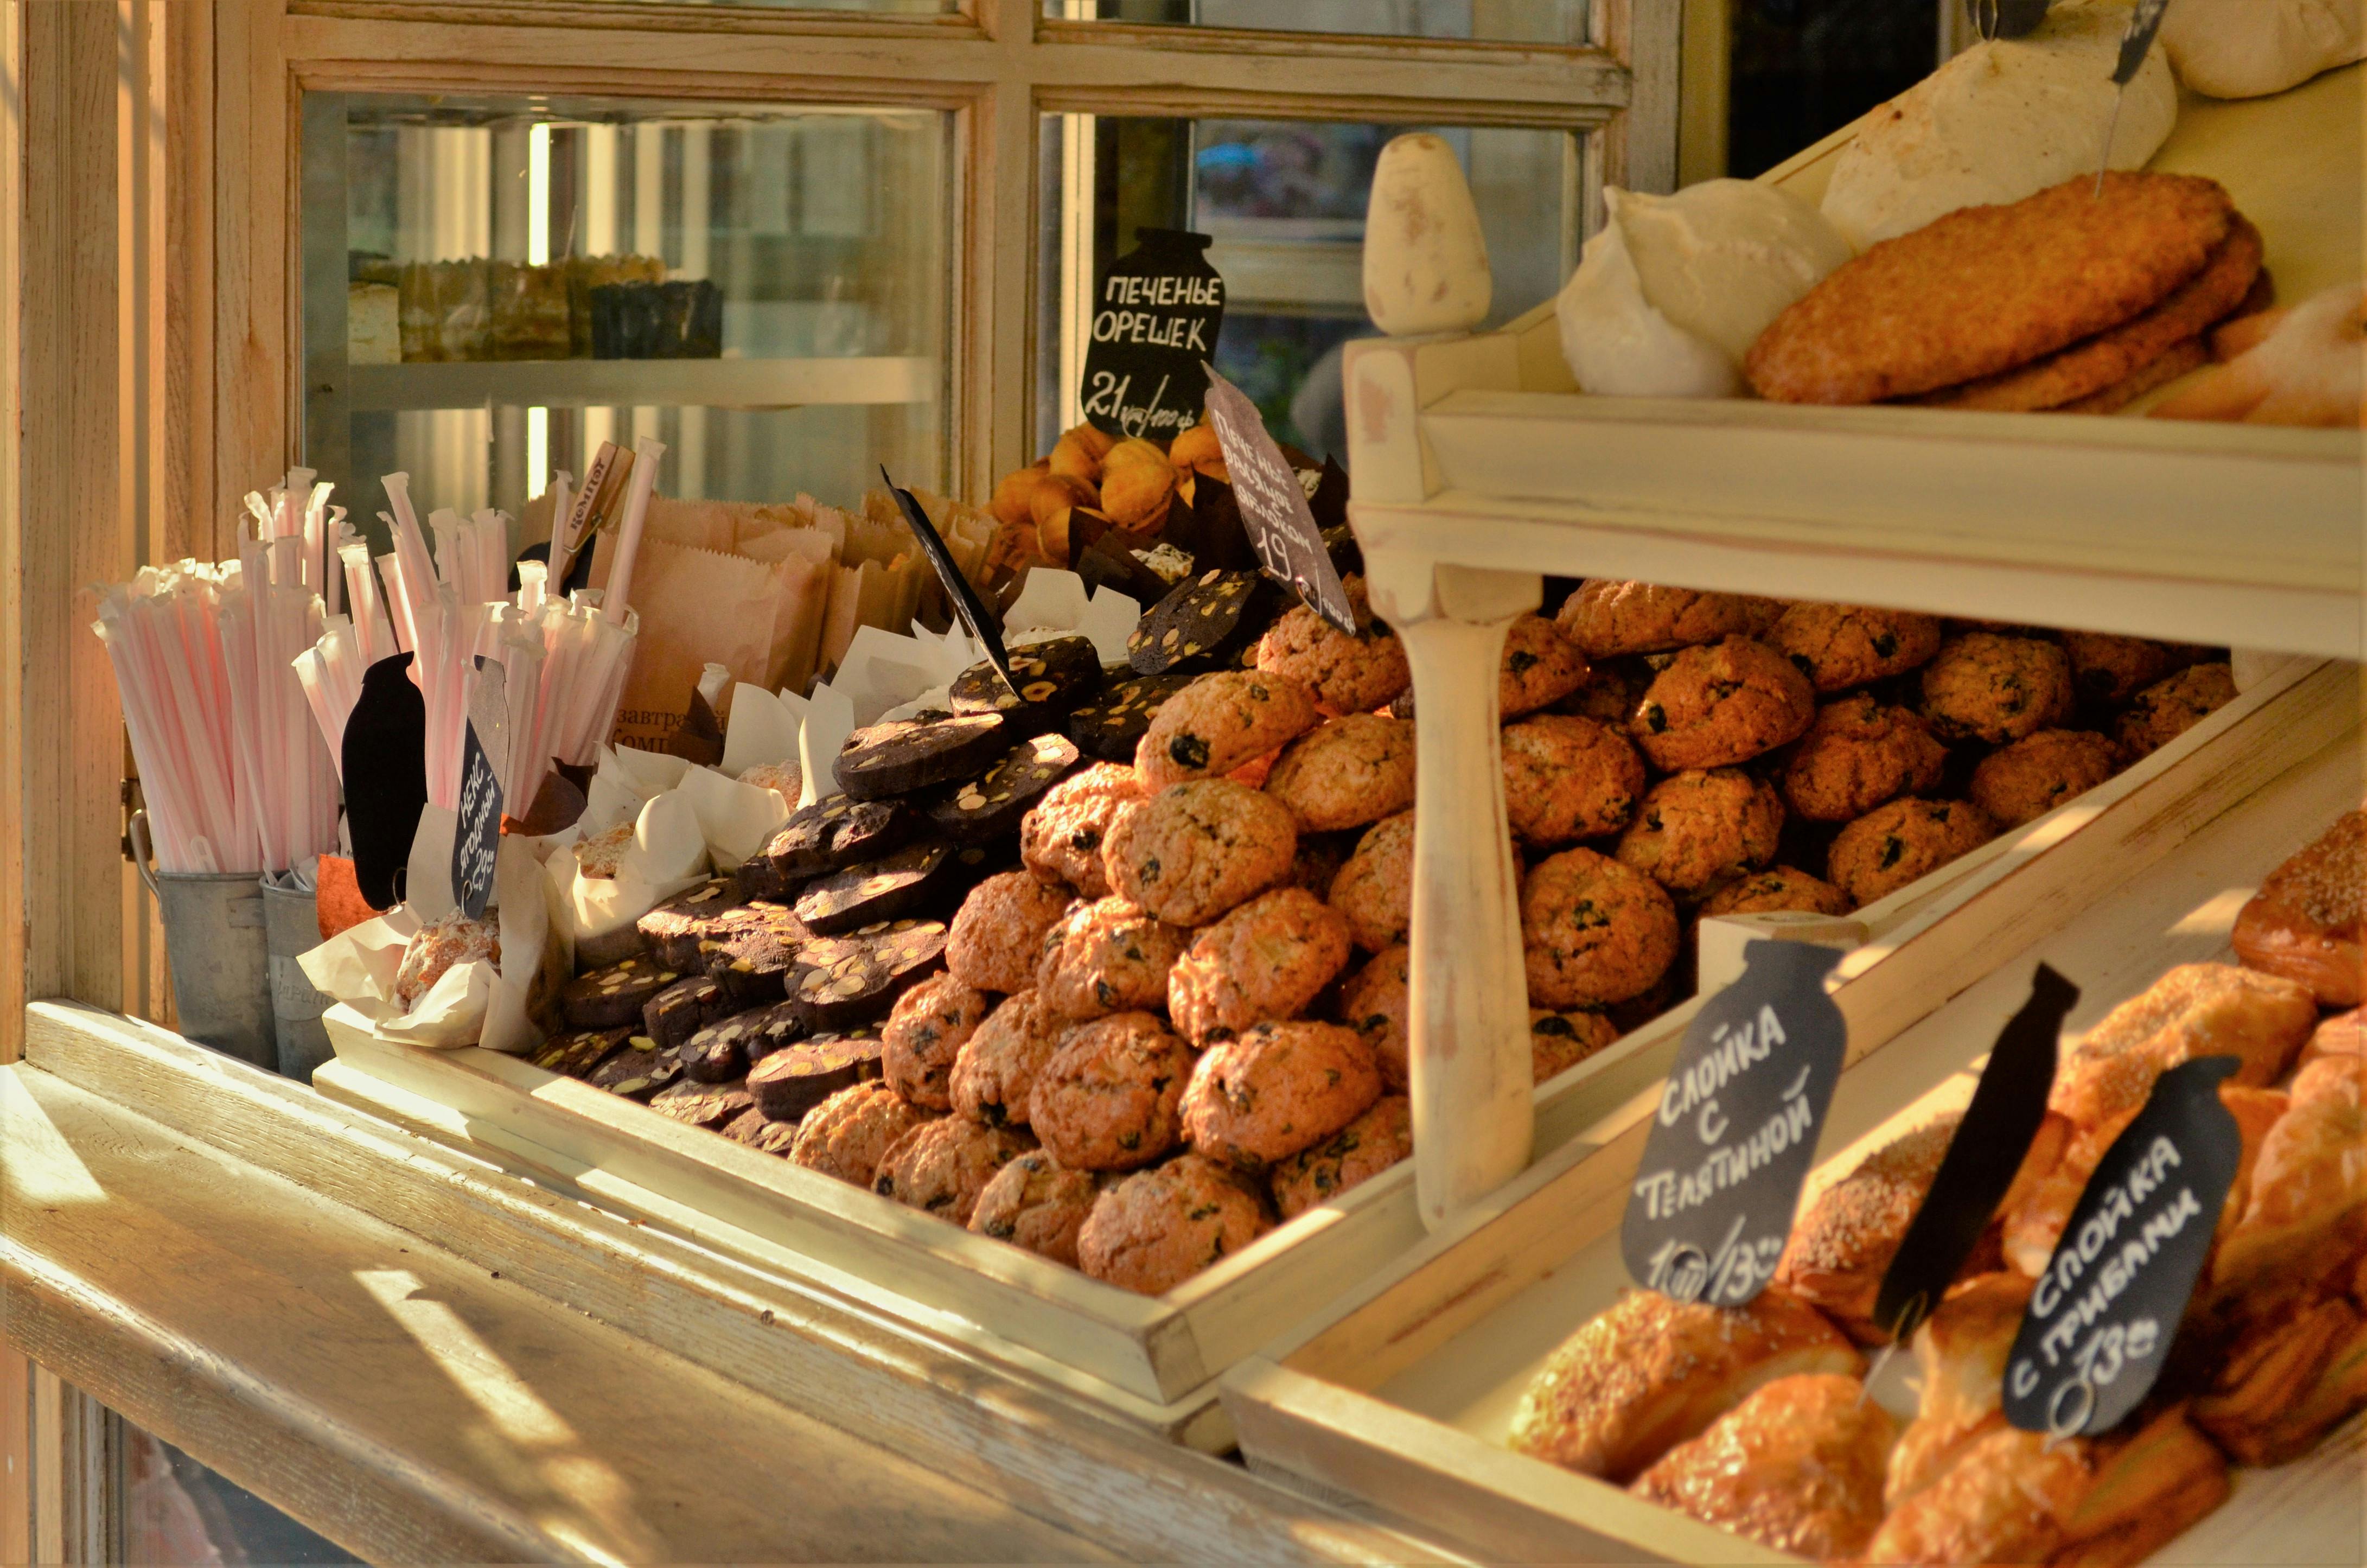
[2079,300]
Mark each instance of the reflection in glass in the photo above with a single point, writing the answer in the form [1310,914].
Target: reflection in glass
[1487,21]
[492,288]
[1285,202]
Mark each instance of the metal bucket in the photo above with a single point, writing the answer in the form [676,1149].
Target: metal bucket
[291,917]
[214,941]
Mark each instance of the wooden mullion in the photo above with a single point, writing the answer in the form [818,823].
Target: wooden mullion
[652,16]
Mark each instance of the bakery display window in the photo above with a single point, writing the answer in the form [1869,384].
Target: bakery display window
[1494,21]
[493,287]
[1283,201]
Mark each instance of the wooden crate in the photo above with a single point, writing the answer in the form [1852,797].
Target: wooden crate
[1154,1361]
[1400,1402]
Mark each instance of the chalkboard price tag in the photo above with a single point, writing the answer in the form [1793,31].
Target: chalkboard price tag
[477,837]
[1273,506]
[1983,1157]
[2101,1317]
[1155,321]
[1736,1130]
[975,615]
[385,755]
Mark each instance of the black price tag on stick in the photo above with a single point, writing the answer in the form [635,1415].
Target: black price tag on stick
[477,837]
[1737,1130]
[1155,322]
[975,615]
[385,753]
[1982,1160]
[1280,523]
[2101,1316]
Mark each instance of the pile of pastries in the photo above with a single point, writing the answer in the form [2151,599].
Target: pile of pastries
[1756,1419]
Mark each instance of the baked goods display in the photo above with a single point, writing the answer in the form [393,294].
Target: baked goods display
[1757,1419]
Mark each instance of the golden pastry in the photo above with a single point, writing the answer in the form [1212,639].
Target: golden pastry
[1077,454]
[1195,447]
[2148,1488]
[1015,491]
[2305,1212]
[1797,1466]
[1649,1372]
[1839,1248]
[2003,1500]
[2284,1385]
[1136,483]
[1960,1351]
[2345,1034]
[2305,920]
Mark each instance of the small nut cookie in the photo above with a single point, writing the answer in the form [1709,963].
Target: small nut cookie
[1374,1003]
[1197,850]
[2110,670]
[1220,722]
[848,1134]
[1357,1153]
[1106,957]
[999,932]
[1540,665]
[997,1067]
[1111,1099]
[1567,778]
[1721,704]
[924,1036]
[1560,1041]
[1607,617]
[1594,931]
[1840,646]
[1343,673]
[1158,1228]
[1858,753]
[1985,686]
[1892,845]
[1699,827]
[1060,838]
[1345,773]
[940,1168]
[1266,960]
[1276,1089]
[2168,709]
[2024,782]
[1375,889]
[1776,889]
[1034,1203]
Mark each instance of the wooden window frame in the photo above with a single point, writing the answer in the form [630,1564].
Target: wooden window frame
[151,254]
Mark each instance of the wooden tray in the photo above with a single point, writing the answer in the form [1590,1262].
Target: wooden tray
[1479,452]
[1399,1402]
[1154,1361]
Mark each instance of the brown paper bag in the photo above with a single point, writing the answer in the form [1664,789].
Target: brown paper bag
[696,607]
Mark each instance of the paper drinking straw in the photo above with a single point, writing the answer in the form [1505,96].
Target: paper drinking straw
[646,454]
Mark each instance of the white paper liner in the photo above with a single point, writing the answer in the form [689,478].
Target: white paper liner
[764,728]
[829,718]
[737,819]
[1055,601]
[668,855]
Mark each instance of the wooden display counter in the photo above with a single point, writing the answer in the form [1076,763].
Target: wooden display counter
[1402,1401]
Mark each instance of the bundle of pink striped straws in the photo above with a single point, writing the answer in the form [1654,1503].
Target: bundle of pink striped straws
[231,765]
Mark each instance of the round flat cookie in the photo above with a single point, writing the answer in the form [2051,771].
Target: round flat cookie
[752,962]
[1053,677]
[990,806]
[575,1055]
[639,1070]
[611,998]
[684,1008]
[796,1078]
[1208,622]
[844,981]
[903,883]
[703,1105]
[900,756]
[721,1051]
[835,833]
[1110,726]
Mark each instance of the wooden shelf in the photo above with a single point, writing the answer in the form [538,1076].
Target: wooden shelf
[665,383]
[1479,452]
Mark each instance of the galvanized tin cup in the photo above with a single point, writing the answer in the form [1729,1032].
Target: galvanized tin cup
[220,962]
[291,917]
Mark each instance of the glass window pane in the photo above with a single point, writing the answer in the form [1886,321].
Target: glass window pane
[1285,203]
[493,287]
[176,1511]
[1486,21]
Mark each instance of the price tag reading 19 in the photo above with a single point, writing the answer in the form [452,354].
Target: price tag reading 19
[1736,1129]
